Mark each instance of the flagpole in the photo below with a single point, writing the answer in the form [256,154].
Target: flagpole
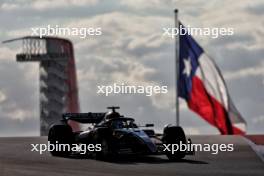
[177,55]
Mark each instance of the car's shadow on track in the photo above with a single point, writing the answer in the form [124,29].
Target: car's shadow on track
[151,160]
[139,159]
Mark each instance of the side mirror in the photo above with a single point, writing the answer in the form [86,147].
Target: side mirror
[149,125]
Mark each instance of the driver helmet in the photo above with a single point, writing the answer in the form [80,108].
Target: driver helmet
[111,115]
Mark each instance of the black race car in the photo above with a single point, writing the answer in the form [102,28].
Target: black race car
[117,135]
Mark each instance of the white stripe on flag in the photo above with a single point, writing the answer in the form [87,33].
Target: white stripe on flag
[211,79]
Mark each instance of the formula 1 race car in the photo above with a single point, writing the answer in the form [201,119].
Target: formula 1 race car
[117,135]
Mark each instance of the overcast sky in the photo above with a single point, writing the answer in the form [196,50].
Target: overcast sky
[133,50]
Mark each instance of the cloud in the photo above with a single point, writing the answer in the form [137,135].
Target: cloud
[256,9]
[18,33]
[45,5]
[8,6]
[141,4]
[119,54]
[6,54]
[117,31]
[123,70]
[19,114]
[258,120]
[245,72]
[164,101]
[2,97]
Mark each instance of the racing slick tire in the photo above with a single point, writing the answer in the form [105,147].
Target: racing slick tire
[174,135]
[61,134]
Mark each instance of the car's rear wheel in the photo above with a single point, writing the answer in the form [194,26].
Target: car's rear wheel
[61,134]
[174,135]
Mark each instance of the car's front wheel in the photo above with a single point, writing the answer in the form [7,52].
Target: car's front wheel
[174,135]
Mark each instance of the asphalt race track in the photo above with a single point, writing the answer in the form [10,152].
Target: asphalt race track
[16,159]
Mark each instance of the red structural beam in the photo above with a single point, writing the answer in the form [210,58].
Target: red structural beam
[72,96]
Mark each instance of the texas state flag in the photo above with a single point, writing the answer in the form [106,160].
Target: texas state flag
[203,87]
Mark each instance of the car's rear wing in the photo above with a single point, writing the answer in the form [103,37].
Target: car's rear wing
[89,117]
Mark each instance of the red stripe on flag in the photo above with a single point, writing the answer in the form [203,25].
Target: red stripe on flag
[209,108]
[238,131]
